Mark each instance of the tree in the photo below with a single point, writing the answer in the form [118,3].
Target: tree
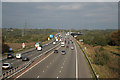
[115,37]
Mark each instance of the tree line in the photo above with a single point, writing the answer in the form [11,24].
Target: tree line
[101,37]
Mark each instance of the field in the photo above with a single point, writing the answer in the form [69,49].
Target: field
[13,38]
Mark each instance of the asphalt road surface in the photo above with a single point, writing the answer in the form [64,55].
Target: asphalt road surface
[71,65]
[18,62]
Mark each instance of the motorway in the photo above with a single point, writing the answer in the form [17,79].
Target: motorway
[31,54]
[71,65]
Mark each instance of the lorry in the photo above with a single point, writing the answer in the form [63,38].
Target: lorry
[38,46]
[62,44]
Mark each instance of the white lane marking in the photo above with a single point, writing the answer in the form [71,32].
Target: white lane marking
[57,77]
[47,66]
[50,62]
[43,71]
[76,63]
[38,77]
[59,71]
[45,52]
[35,65]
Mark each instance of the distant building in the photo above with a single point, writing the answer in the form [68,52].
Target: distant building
[9,29]
[75,34]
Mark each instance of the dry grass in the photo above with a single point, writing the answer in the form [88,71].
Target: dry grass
[109,70]
[112,48]
[18,46]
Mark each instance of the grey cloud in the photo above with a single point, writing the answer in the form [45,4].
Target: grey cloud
[52,15]
[60,0]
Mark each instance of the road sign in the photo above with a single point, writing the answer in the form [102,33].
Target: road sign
[51,36]
[10,49]
[23,45]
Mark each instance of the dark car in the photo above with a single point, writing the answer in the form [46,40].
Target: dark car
[25,58]
[55,51]
[63,52]
[67,46]
[9,56]
[72,41]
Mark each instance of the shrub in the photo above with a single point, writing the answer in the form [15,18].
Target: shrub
[97,37]
[101,58]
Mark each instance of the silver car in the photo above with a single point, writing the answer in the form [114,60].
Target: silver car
[6,66]
[63,52]
[72,48]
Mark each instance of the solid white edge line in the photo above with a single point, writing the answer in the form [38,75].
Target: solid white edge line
[35,65]
[76,62]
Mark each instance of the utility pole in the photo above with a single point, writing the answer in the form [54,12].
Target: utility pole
[23,31]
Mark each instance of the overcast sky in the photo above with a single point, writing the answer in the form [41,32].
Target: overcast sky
[60,0]
[77,15]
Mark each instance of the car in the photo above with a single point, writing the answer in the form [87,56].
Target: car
[25,58]
[6,66]
[18,56]
[60,40]
[9,56]
[72,42]
[63,52]
[72,48]
[67,46]
[55,51]
[62,45]
[54,42]
[38,44]
[39,48]
[46,44]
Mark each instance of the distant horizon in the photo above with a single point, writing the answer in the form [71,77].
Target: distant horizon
[62,15]
[65,29]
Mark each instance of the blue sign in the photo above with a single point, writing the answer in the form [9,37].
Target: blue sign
[51,36]
[10,49]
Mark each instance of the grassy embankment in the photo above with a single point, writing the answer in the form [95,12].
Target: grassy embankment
[104,57]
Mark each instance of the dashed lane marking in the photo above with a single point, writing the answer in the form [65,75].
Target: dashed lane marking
[38,77]
[59,71]
[62,67]
[35,64]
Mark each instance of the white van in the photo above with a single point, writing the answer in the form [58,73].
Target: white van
[18,56]
[54,42]
[39,48]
